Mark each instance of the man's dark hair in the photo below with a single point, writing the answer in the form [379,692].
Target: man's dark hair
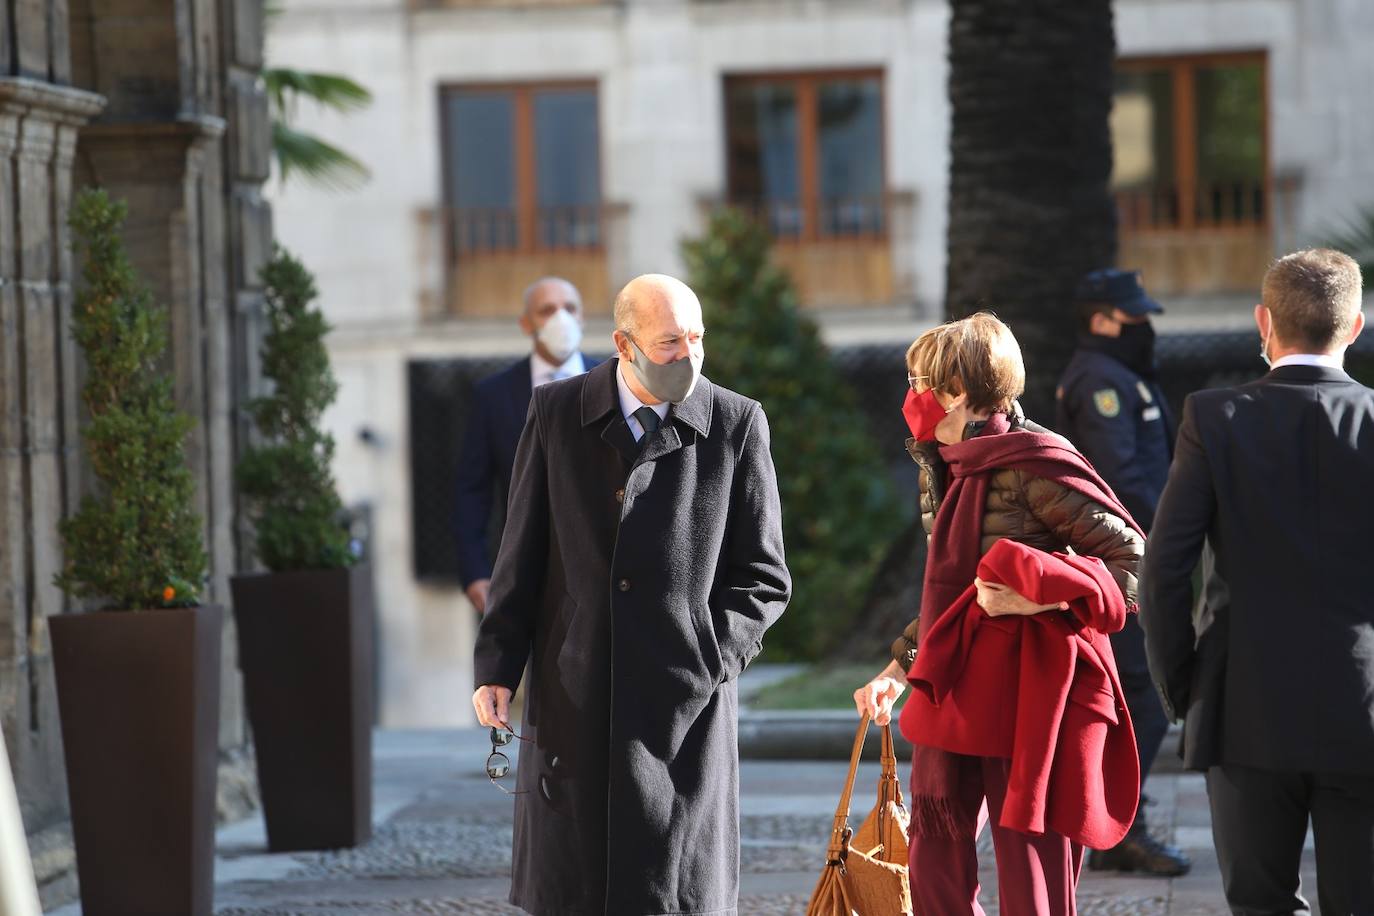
[1086,311]
[1314,296]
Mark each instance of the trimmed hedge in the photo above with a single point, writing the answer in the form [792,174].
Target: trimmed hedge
[840,511]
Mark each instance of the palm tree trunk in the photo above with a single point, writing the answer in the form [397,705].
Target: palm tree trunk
[1030,87]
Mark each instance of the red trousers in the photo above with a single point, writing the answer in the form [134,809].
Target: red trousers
[1036,875]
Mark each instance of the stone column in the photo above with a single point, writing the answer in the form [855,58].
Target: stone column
[247,165]
[38,415]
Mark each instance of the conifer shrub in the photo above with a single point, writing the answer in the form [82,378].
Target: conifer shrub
[285,479]
[840,509]
[137,541]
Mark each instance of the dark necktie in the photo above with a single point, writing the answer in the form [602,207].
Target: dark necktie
[648,418]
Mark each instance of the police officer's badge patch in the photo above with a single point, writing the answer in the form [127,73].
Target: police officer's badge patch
[1107,402]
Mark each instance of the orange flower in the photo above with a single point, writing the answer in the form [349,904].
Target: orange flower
[168,593]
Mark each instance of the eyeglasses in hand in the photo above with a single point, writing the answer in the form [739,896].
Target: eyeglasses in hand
[498,764]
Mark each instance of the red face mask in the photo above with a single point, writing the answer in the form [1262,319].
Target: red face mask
[923,413]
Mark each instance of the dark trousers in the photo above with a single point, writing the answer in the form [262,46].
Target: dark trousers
[1259,823]
[1142,699]
[1036,874]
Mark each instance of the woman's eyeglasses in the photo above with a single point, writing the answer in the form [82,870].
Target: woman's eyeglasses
[912,380]
[498,764]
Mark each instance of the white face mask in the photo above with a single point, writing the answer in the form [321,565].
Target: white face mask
[561,335]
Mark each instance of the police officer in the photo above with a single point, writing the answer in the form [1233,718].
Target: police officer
[1111,408]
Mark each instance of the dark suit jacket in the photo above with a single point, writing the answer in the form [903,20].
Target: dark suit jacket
[637,583]
[499,405]
[1277,478]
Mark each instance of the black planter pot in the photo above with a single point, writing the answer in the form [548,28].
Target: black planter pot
[138,694]
[305,649]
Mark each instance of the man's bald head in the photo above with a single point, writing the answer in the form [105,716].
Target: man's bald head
[650,293]
[661,316]
[547,290]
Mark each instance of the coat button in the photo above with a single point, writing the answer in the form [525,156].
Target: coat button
[624,585]
[620,495]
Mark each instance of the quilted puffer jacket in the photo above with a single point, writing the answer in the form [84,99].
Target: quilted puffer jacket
[1034,511]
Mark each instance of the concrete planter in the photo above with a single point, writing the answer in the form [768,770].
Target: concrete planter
[305,649]
[138,693]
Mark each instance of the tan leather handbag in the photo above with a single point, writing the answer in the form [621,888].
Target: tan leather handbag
[866,872]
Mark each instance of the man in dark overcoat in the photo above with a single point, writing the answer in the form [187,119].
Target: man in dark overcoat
[641,563]
[1275,677]
[552,318]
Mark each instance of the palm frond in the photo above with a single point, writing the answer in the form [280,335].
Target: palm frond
[329,90]
[315,160]
[1356,238]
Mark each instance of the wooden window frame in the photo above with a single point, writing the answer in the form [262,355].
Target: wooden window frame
[523,140]
[807,86]
[1183,71]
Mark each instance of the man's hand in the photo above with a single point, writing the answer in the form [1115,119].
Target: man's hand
[477,593]
[492,703]
[999,601]
[877,697]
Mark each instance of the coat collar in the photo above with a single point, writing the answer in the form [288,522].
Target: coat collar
[1299,373]
[600,396]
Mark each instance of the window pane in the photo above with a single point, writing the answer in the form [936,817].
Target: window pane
[1143,129]
[1142,124]
[851,156]
[761,140]
[1230,142]
[481,169]
[567,167]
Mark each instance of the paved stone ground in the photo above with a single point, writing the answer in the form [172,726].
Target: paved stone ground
[442,844]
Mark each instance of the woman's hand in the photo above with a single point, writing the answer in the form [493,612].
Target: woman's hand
[877,697]
[999,601]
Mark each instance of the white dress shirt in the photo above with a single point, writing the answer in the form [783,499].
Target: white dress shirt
[629,404]
[542,371]
[1310,359]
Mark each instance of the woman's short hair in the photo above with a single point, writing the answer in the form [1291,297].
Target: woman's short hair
[977,356]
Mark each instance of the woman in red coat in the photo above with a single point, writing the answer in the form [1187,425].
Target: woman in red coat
[987,475]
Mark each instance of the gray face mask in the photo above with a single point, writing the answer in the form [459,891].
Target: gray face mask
[671,382]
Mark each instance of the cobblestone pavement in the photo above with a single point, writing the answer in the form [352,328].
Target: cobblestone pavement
[442,844]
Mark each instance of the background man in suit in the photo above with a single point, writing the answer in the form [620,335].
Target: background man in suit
[553,320]
[1109,405]
[1278,691]
[641,564]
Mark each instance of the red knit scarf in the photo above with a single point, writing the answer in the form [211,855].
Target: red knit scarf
[952,564]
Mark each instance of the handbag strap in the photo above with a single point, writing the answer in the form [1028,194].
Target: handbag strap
[840,832]
[889,782]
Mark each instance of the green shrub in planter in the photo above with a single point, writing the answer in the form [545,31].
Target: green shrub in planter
[839,509]
[286,481]
[138,694]
[137,542]
[305,627]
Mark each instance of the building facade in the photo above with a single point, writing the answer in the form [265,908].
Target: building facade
[515,138]
[160,103]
